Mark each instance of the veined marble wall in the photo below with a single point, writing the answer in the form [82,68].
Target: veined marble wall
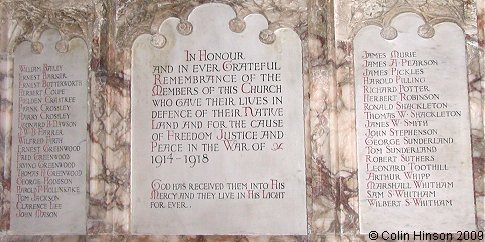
[326,29]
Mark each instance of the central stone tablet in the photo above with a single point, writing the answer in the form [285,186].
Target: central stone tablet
[217,127]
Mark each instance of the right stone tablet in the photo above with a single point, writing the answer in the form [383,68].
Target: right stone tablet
[413,128]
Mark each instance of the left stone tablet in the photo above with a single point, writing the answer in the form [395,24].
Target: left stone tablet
[49,136]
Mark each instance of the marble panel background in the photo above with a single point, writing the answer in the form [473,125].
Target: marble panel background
[326,28]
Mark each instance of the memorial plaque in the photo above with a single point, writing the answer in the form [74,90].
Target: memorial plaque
[49,137]
[217,128]
[413,128]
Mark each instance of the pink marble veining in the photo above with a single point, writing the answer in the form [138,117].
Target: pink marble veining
[480,167]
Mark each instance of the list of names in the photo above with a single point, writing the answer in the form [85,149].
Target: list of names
[400,141]
[413,131]
[49,145]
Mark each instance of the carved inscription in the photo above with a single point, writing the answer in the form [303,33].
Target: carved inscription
[218,132]
[413,129]
[49,139]
[240,102]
